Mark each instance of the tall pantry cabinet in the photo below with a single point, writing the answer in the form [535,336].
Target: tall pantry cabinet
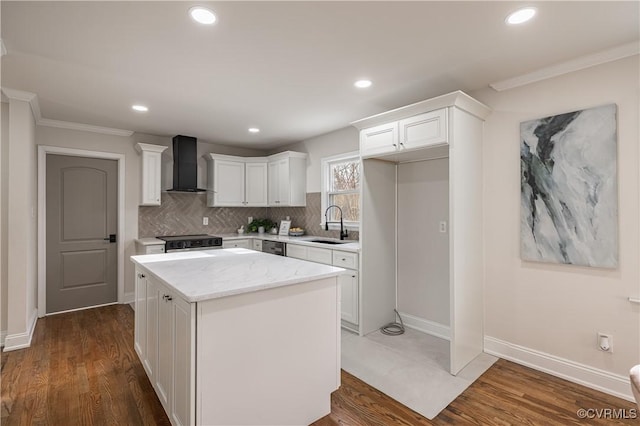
[446,129]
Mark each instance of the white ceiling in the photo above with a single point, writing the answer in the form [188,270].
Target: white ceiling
[285,67]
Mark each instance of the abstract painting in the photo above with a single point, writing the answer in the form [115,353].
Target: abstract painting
[569,192]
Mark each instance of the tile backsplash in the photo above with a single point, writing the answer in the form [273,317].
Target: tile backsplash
[182,213]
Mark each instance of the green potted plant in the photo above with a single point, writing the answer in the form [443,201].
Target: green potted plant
[255,225]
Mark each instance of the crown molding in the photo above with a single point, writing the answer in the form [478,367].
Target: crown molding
[21,95]
[577,64]
[47,122]
[32,99]
[3,49]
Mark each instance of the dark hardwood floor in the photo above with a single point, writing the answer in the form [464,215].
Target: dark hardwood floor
[82,369]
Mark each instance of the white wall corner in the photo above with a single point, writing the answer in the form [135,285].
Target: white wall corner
[430,327]
[3,49]
[594,378]
[129,298]
[3,336]
[580,63]
[16,341]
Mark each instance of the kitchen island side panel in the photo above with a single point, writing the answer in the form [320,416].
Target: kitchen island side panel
[269,357]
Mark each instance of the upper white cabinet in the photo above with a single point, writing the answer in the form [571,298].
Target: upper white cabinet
[288,179]
[236,181]
[150,178]
[415,132]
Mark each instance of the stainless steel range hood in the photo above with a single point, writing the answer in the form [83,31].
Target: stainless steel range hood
[185,164]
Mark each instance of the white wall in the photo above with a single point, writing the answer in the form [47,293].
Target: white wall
[423,251]
[338,142]
[22,224]
[558,309]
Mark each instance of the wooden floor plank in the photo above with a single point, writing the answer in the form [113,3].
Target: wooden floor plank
[82,369]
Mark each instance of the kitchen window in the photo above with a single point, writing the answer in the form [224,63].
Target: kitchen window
[341,187]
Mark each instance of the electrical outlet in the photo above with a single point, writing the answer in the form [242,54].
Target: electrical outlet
[605,342]
[443,227]
[205,220]
[249,219]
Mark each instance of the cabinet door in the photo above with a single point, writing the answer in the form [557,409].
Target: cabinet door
[257,245]
[279,183]
[424,130]
[140,325]
[151,177]
[349,296]
[183,392]
[255,184]
[165,348]
[381,139]
[228,183]
[151,360]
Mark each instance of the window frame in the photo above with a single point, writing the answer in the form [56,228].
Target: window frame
[325,167]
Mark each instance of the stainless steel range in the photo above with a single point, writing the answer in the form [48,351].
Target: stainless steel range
[191,242]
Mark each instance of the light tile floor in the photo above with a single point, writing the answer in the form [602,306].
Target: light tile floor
[412,368]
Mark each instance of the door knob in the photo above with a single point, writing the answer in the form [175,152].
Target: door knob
[111,238]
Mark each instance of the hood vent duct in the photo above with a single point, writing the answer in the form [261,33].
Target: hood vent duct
[185,164]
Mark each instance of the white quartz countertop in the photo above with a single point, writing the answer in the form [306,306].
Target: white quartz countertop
[149,241]
[210,274]
[348,245]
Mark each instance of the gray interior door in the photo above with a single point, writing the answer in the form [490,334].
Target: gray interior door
[81,215]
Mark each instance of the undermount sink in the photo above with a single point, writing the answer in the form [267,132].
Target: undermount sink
[328,242]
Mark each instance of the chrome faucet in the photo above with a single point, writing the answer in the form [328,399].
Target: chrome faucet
[343,232]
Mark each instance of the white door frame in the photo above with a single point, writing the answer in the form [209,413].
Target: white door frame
[43,150]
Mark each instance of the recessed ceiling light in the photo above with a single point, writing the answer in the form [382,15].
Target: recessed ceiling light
[140,108]
[521,16]
[202,15]
[254,130]
[362,84]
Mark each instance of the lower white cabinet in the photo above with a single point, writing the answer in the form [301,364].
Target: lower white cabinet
[349,282]
[349,300]
[165,343]
[237,244]
[257,245]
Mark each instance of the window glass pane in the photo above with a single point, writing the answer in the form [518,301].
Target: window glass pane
[350,205]
[345,176]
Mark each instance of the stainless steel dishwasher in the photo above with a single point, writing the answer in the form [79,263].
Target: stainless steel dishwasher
[274,247]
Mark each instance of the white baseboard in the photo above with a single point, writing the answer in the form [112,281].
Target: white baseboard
[591,377]
[430,327]
[129,298]
[16,341]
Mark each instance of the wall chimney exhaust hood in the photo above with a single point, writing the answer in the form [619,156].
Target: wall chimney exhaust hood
[185,164]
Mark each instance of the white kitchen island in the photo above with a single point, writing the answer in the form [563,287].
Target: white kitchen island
[238,337]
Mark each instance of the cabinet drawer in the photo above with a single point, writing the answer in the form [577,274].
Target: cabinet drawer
[296,251]
[236,244]
[155,249]
[319,255]
[345,259]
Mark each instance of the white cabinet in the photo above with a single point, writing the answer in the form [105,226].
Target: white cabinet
[165,343]
[415,132]
[349,282]
[151,173]
[379,139]
[256,245]
[236,181]
[349,296]
[236,244]
[149,246]
[287,179]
